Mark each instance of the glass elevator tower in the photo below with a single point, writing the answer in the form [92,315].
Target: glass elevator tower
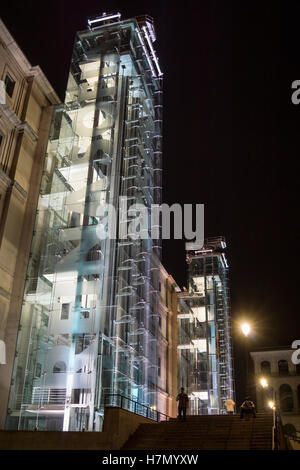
[89,321]
[205,364]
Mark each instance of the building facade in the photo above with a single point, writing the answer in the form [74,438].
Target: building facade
[205,363]
[167,373]
[89,325]
[283,384]
[26,104]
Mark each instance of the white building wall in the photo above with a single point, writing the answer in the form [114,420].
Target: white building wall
[276,380]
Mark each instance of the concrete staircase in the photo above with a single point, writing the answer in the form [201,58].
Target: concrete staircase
[214,432]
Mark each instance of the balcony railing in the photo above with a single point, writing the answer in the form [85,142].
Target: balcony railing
[125,403]
[293,437]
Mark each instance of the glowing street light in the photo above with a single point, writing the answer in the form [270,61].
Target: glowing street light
[245,329]
[264,383]
[271,403]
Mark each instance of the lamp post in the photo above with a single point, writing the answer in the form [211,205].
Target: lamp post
[272,404]
[265,384]
[245,327]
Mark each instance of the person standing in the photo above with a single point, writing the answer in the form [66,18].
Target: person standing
[183,401]
[229,405]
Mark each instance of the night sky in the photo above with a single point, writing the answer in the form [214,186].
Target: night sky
[231,134]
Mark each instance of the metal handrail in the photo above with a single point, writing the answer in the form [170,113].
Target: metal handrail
[294,437]
[280,438]
[137,408]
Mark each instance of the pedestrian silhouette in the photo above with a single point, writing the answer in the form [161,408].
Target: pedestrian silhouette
[183,401]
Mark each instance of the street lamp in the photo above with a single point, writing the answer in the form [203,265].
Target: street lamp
[264,383]
[272,404]
[245,327]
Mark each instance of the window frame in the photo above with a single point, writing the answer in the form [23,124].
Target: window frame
[12,83]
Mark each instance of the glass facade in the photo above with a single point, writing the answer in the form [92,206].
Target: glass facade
[89,322]
[205,366]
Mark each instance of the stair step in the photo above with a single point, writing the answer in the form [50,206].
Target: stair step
[205,432]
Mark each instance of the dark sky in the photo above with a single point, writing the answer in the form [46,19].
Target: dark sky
[230,133]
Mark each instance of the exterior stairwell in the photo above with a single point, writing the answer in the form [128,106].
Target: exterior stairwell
[214,432]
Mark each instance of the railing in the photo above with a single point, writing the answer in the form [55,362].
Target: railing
[293,437]
[48,396]
[120,401]
[275,430]
[279,439]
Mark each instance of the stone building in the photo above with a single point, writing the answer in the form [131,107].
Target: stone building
[167,344]
[282,378]
[26,104]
